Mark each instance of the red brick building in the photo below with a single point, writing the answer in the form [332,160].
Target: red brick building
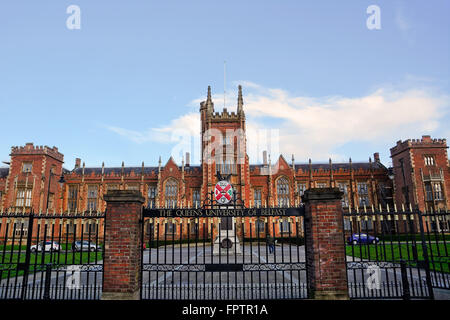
[421,171]
[30,182]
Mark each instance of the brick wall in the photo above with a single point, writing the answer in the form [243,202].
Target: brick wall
[122,257]
[325,248]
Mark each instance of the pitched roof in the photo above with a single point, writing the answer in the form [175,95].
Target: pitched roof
[127,170]
[336,166]
[118,170]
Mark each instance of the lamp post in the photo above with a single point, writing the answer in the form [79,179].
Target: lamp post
[61,182]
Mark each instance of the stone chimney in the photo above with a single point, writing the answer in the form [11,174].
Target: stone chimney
[265,157]
[376,157]
[77,163]
[188,159]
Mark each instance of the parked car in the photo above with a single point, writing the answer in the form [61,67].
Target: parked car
[49,246]
[85,245]
[362,238]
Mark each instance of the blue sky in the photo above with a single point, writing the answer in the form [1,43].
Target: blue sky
[116,89]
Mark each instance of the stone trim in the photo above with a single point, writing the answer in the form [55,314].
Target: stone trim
[322,194]
[124,196]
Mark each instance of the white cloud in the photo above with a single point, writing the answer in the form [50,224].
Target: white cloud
[312,127]
[190,123]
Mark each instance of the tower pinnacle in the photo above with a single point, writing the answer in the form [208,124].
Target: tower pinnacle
[209,103]
[240,101]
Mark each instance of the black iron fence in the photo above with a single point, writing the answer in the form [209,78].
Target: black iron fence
[215,254]
[240,254]
[394,254]
[51,256]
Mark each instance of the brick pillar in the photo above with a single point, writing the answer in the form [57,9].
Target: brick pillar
[122,260]
[325,247]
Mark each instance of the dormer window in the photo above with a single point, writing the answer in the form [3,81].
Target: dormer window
[27,166]
[429,160]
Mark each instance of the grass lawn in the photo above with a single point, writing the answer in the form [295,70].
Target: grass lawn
[24,247]
[438,254]
[9,261]
[409,237]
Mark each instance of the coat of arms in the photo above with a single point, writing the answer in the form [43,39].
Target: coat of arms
[223,192]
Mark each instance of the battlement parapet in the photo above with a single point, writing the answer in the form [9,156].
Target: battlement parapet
[424,142]
[31,149]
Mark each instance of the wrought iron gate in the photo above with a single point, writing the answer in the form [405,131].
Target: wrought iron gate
[51,256]
[216,252]
[394,254]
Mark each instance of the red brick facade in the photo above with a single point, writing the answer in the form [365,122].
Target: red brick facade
[363,183]
[422,175]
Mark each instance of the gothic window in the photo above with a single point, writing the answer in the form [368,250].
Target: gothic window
[257,198]
[27,166]
[285,226]
[283,192]
[196,198]
[90,228]
[23,197]
[437,191]
[226,139]
[193,226]
[73,196]
[92,198]
[363,193]
[428,192]
[343,187]
[20,229]
[70,227]
[260,226]
[151,196]
[366,225]
[171,193]
[347,224]
[429,160]
[301,188]
[170,227]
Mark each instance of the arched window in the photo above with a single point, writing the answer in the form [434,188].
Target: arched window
[194,227]
[260,226]
[171,193]
[283,192]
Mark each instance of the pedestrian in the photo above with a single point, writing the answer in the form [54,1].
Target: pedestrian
[270,242]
